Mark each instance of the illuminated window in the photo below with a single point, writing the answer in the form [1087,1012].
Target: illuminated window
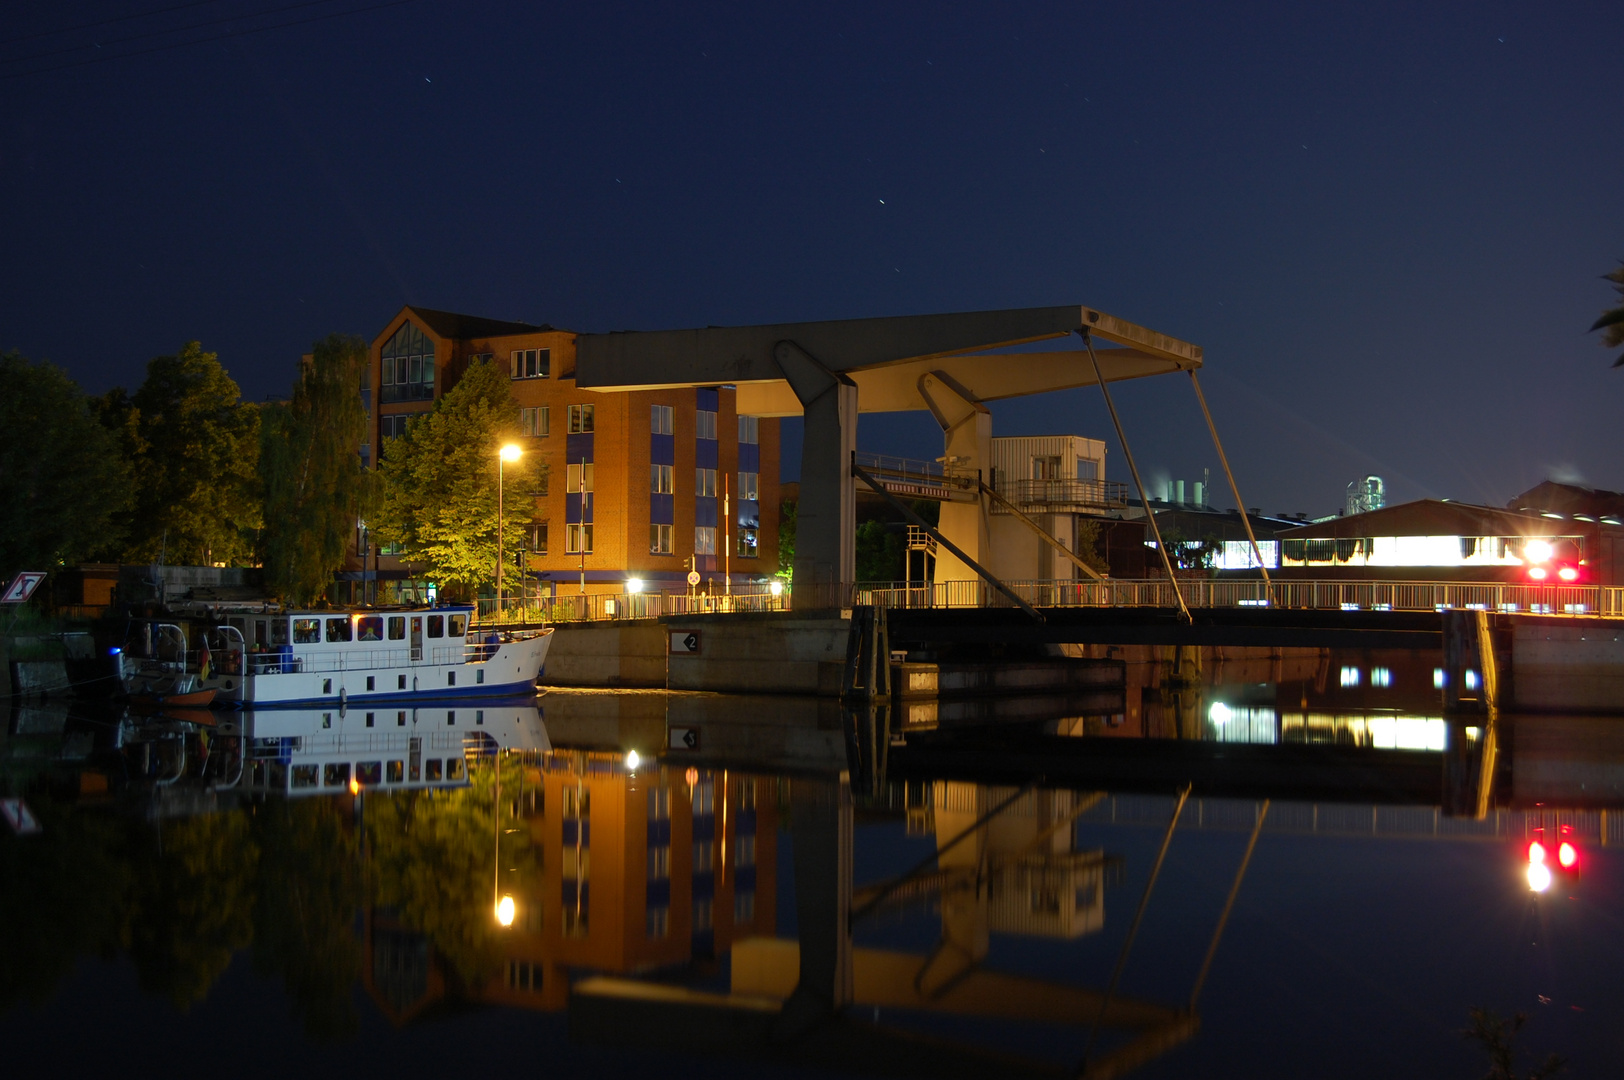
[581,418]
[749,485]
[1381,677]
[704,424]
[744,907]
[747,851]
[393,427]
[659,539]
[659,922]
[659,804]
[532,363]
[703,794]
[702,915]
[749,429]
[408,366]
[536,422]
[747,543]
[538,537]
[705,483]
[338,629]
[660,422]
[1350,676]
[578,478]
[659,863]
[659,479]
[578,539]
[704,540]
[704,856]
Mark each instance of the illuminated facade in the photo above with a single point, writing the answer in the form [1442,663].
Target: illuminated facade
[643,484]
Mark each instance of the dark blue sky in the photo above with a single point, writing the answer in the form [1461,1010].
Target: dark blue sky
[1384,223]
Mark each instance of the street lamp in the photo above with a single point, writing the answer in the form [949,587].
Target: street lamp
[509,452]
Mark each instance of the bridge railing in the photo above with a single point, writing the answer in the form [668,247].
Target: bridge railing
[1041,495]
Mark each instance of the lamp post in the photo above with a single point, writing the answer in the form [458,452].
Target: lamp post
[509,452]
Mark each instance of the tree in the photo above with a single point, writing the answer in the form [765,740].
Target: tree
[1088,545]
[62,475]
[1612,320]
[310,466]
[439,482]
[786,536]
[194,448]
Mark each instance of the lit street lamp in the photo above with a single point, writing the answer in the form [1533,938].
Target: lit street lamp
[509,452]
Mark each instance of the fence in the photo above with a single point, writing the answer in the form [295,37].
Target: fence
[604,607]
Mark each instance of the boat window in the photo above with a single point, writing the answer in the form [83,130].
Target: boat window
[459,625]
[279,631]
[259,632]
[338,629]
[436,626]
[453,768]
[336,774]
[306,631]
[276,776]
[304,776]
[397,628]
[369,772]
[370,628]
[431,769]
[393,771]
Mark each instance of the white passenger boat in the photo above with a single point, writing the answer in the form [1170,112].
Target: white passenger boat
[407,746]
[354,657]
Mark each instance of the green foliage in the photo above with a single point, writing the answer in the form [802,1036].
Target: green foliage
[433,855]
[193,445]
[1088,544]
[786,536]
[310,465]
[1612,320]
[438,499]
[62,477]
[880,551]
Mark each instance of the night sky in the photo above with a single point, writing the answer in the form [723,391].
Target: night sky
[1384,223]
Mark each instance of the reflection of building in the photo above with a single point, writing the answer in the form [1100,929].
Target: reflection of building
[637,481]
[637,872]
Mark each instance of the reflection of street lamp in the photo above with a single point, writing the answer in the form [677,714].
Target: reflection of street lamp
[503,905]
[509,452]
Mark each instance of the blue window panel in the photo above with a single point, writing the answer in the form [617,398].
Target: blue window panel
[570,829]
[578,448]
[572,509]
[659,832]
[704,885]
[591,497]
[750,513]
[662,449]
[570,892]
[749,457]
[705,942]
[747,822]
[659,893]
[705,454]
[744,879]
[704,826]
[662,509]
[705,513]
[708,400]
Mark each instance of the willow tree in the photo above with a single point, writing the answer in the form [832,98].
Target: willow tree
[438,499]
[310,465]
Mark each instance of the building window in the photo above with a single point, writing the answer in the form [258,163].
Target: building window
[704,856]
[749,485]
[659,479]
[578,539]
[1087,469]
[581,419]
[579,478]
[393,427]
[661,421]
[659,539]
[703,915]
[532,363]
[538,537]
[747,543]
[659,804]
[706,424]
[408,366]
[749,429]
[543,481]
[705,540]
[1045,468]
[747,851]
[705,483]
[659,922]
[744,907]
[535,422]
[659,862]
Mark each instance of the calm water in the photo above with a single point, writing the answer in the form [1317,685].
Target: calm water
[208,898]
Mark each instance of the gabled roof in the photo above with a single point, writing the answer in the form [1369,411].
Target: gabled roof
[1434,517]
[459,327]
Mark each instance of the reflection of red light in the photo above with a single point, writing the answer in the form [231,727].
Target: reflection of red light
[1566,855]
[1537,573]
[1536,852]
[1568,573]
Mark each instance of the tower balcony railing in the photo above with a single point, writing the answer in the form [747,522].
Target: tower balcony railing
[1061,496]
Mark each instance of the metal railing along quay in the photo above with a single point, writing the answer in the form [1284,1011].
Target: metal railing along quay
[1576,600]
